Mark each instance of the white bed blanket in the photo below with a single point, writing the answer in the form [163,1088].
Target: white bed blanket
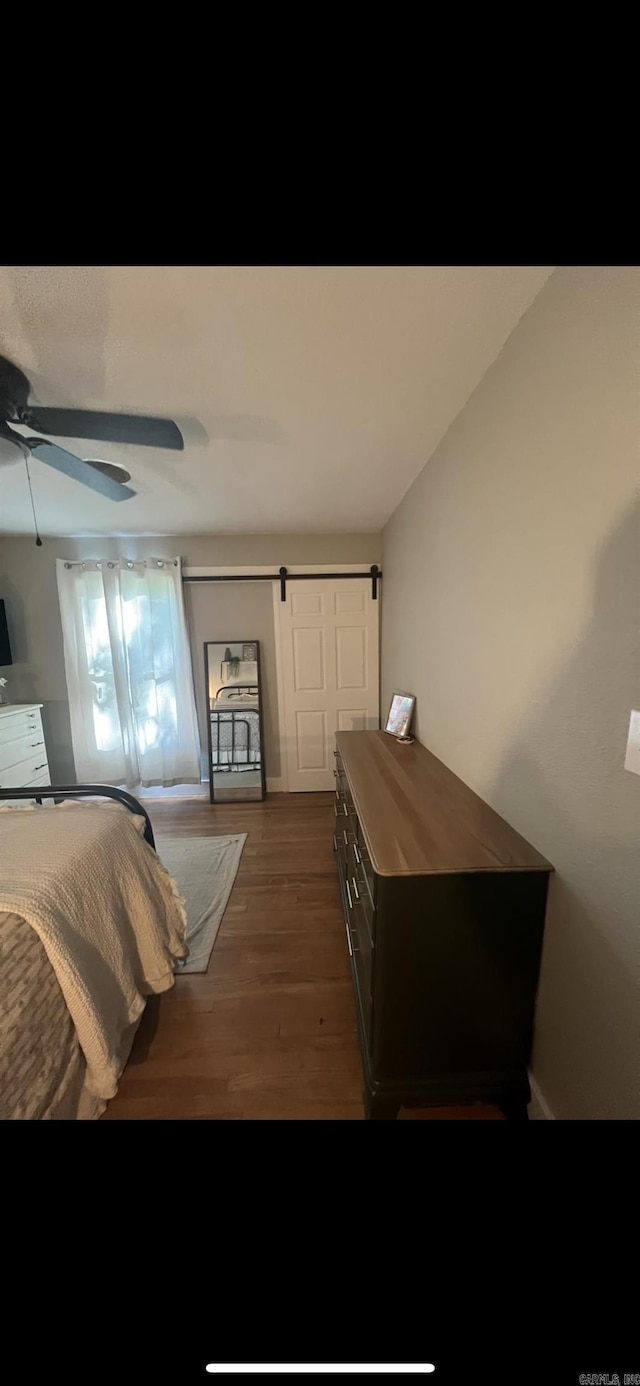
[109,916]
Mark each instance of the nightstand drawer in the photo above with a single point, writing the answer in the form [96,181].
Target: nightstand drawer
[16,725]
[23,774]
[23,748]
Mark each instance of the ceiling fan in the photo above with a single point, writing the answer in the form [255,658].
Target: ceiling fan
[74,423]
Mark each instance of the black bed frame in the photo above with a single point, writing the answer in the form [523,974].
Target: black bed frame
[232,719]
[231,716]
[79,791]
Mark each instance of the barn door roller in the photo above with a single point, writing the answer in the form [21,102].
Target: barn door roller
[285,577]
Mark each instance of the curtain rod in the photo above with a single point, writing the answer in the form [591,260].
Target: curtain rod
[283,577]
[117,562]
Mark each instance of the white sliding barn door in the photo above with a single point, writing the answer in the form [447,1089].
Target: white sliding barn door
[329,672]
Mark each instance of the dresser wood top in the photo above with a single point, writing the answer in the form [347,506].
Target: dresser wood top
[419,818]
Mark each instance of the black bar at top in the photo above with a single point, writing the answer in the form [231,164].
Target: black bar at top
[283,577]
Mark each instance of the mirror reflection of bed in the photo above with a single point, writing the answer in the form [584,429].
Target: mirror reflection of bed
[236,760]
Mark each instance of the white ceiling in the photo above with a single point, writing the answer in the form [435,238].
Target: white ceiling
[309,397]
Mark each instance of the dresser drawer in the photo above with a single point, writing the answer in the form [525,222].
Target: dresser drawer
[366,869]
[16,725]
[360,890]
[344,835]
[343,793]
[23,774]
[344,815]
[23,748]
[361,956]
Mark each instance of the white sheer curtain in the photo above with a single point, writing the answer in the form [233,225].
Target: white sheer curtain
[128,668]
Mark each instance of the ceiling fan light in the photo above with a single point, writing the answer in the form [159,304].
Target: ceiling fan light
[110,469]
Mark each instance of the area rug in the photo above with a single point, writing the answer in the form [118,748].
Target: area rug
[204,869]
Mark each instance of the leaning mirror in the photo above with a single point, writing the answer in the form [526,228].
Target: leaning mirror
[236,759]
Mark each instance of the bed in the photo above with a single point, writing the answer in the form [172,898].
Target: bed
[91,924]
[235,728]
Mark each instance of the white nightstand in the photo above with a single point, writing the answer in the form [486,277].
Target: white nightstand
[23,751]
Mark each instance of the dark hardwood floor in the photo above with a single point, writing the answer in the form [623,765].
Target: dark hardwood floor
[270,1030]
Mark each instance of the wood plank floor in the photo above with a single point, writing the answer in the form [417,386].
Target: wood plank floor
[269,1032]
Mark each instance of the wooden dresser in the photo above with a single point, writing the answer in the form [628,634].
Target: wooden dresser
[444,908]
[23,752]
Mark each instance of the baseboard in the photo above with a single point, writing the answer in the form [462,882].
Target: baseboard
[176,791]
[276,785]
[539,1109]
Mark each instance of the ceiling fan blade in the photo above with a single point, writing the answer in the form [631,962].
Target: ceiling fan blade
[105,428]
[78,470]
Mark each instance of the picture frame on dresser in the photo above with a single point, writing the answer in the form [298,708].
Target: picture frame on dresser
[400,715]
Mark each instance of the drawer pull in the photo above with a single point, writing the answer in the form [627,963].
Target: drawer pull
[345,835]
[339,794]
[41,767]
[346,927]
[357,854]
[335,809]
[33,744]
[346,811]
[349,895]
[335,845]
[355,887]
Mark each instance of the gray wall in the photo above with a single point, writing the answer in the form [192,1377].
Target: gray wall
[218,612]
[237,611]
[510,607]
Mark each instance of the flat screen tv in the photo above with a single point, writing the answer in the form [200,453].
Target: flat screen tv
[5,647]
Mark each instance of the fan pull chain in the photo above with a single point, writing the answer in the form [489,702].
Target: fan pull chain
[38,539]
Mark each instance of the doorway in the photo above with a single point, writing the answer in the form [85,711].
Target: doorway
[329,672]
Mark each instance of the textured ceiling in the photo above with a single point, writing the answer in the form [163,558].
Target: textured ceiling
[309,397]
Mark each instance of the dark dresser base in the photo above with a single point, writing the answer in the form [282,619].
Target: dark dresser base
[444,909]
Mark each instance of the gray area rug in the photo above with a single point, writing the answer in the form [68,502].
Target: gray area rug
[204,869]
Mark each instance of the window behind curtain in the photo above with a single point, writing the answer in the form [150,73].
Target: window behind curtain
[128,669]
